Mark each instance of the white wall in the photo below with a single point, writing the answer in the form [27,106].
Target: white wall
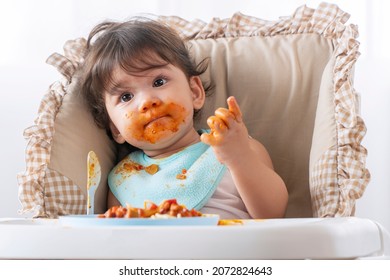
[32,30]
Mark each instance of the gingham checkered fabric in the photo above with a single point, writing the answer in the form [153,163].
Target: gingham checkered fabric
[336,180]
[43,191]
[324,20]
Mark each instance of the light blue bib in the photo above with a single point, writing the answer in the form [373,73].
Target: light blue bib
[191,176]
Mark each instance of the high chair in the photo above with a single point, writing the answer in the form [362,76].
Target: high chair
[293,79]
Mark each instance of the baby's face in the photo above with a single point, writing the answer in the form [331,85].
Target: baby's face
[151,109]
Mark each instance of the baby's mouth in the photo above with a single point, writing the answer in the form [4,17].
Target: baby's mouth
[155,119]
[157,124]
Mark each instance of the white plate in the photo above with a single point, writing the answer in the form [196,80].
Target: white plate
[93,220]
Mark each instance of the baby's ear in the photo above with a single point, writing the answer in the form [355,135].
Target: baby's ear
[116,134]
[198,93]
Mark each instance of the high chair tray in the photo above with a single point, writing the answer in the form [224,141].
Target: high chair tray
[305,238]
[93,220]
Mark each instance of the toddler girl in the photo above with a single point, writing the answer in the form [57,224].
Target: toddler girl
[143,87]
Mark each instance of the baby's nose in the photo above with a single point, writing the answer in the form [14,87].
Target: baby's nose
[149,104]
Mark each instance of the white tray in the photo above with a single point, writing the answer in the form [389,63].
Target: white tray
[309,238]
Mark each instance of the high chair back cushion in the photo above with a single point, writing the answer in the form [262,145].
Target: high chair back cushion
[293,81]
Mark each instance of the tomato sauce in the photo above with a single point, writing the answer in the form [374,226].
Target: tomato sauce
[155,124]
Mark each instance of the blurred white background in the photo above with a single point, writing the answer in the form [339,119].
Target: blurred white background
[32,30]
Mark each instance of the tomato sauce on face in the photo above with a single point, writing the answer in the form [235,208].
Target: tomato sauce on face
[156,123]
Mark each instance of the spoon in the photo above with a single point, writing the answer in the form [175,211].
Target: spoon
[94,174]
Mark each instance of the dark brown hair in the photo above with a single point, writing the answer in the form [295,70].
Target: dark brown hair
[135,45]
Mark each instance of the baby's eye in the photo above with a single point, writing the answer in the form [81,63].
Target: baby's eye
[159,82]
[126,96]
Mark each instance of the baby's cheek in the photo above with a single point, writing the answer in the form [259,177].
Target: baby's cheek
[133,126]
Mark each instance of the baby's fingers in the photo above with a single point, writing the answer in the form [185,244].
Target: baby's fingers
[217,129]
[225,116]
[216,125]
[208,139]
[234,108]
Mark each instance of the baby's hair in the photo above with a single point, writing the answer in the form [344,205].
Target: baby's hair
[135,45]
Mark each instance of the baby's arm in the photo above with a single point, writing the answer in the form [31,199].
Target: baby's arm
[262,190]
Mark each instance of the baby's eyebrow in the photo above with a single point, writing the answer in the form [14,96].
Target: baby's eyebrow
[116,89]
[152,69]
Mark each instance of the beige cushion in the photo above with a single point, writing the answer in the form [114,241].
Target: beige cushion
[293,81]
[278,93]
